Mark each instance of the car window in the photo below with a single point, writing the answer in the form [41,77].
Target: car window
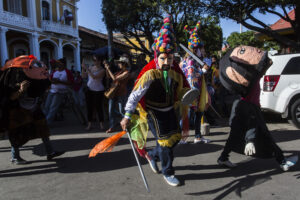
[293,66]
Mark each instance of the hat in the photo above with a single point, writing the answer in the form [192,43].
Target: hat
[165,42]
[123,59]
[31,67]
[194,40]
[21,61]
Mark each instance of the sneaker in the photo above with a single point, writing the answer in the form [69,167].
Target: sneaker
[172,180]
[54,154]
[152,164]
[226,163]
[288,163]
[18,161]
[201,140]
[205,141]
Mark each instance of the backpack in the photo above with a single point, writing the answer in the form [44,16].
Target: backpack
[241,67]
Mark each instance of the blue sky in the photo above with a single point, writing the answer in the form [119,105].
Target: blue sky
[90,16]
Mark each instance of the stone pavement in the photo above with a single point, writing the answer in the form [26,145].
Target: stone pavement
[115,175]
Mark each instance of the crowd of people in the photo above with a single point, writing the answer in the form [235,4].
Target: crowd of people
[141,95]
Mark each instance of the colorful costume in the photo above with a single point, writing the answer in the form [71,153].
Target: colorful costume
[22,114]
[156,96]
[195,76]
[249,134]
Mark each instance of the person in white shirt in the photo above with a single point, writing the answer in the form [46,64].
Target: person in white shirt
[61,79]
[95,90]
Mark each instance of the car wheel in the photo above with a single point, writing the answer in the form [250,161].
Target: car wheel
[295,113]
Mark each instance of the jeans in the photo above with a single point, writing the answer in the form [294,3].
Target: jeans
[78,97]
[116,107]
[15,151]
[197,122]
[164,154]
[52,104]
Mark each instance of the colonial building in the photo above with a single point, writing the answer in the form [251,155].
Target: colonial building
[134,51]
[92,40]
[46,29]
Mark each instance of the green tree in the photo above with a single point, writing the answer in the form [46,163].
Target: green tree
[242,12]
[245,38]
[133,19]
[248,38]
[143,18]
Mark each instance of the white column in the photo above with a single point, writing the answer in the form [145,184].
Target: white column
[34,45]
[31,8]
[58,10]
[3,45]
[77,57]
[60,52]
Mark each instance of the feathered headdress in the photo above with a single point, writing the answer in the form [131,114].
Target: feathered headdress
[194,40]
[165,42]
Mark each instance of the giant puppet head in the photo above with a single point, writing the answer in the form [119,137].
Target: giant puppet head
[32,68]
[241,67]
[20,69]
[195,44]
[165,45]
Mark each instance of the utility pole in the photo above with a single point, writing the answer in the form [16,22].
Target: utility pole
[241,28]
[110,43]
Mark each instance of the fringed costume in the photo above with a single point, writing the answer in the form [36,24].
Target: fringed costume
[155,103]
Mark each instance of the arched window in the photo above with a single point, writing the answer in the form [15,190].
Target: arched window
[45,10]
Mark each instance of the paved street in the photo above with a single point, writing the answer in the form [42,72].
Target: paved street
[115,175]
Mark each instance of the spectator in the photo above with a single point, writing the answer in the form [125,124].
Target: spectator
[61,80]
[95,91]
[120,78]
[77,89]
[141,61]
[135,70]
[195,75]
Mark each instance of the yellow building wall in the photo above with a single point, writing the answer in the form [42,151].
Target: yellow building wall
[42,37]
[38,13]
[55,40]
[5,5]
[24,8]
[134,41]
[54,12]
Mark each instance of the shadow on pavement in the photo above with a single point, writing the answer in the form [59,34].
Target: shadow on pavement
[285,135]
[240,185]
[186,150]
[243,172]
[74,144]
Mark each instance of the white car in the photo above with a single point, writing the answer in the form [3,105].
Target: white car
[280,87]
